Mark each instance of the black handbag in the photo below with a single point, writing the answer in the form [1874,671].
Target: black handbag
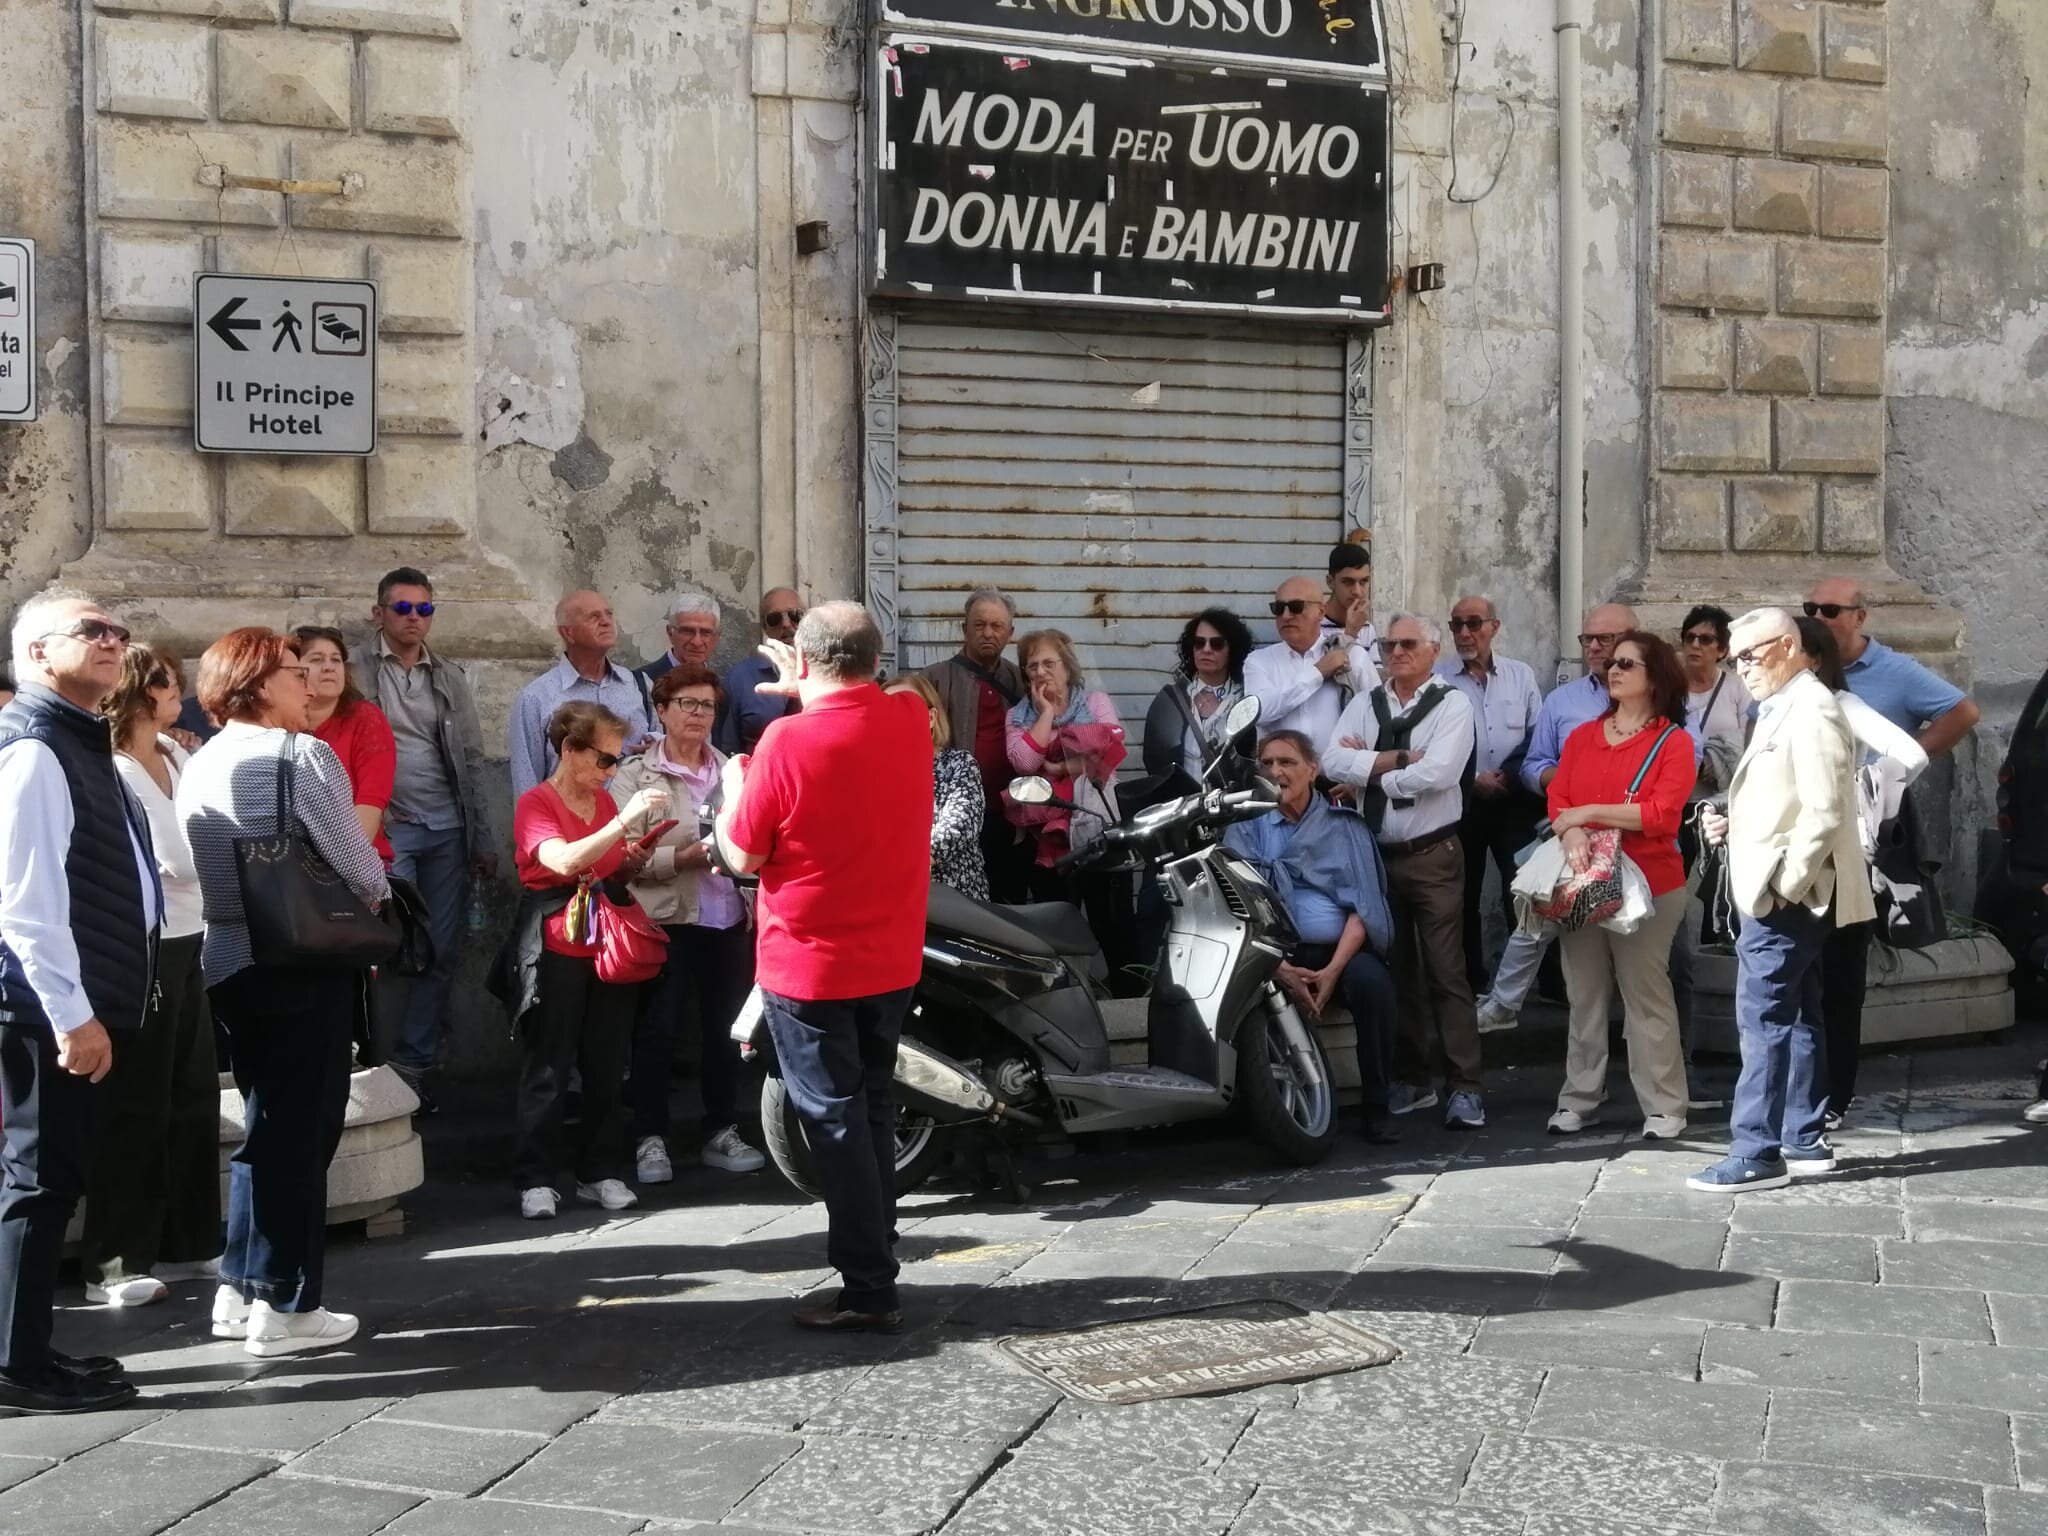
[1720,921]
[416,952]
[1910,914]
[298,910]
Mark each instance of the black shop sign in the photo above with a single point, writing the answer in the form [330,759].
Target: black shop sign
[1322,34]
[1059,177]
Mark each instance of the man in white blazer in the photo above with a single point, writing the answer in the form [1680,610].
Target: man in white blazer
[1796,870]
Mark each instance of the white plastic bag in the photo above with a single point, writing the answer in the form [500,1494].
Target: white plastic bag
[1636,901]
[1534,882]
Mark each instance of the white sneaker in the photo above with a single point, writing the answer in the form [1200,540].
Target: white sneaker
[1493,1016]
[1568,1122]
[273,1333]
[650,1162]
[1663,1127]
[230,1314]
[539,1203]
[612,1194]
[137,1292]
[728,1150]
[2036,1113]
[205,1269]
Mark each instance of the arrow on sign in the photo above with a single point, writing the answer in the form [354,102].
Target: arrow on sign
[224,324]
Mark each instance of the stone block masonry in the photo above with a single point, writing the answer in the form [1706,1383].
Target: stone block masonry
[1768,346]
[366,91]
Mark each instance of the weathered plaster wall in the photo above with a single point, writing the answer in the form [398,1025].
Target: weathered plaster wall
[45,481]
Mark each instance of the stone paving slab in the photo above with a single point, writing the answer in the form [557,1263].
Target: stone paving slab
[2030,1444]
[1803,1256]
[491,1517]
[650,1471]
[1045,1497]
[1641,1289]
[868,1485]
[956,1391]
[19,1469]
[1446,1328]
[418,1457]
[1325,1450]
[265,1420]
[1872,1364]
[300,1507]
[1529,1250]
[2021,1320]
[1975,1266]
[1984,1220]
[1423,1390]
[1884,1435]
[1670,1347]
[1775,1500]
[1724,1421]
[1827,1306]
[59,1436]
[1194,1433]
[1327,1512]
[2007,1513]
[124,1490]
[1991,1376]
[1762,1213]
[1529,1473]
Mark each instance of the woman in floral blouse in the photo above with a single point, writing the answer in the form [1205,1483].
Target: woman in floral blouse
[959,801]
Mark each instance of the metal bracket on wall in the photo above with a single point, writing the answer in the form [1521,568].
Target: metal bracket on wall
[878,487]
[1358,351]
[220,177]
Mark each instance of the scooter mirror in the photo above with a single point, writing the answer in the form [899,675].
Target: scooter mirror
[1266,786]
[1244,714]
[1030,791]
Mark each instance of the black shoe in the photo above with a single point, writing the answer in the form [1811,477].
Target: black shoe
[1380,1133]
[54,1390]
[830,1316]
[91,1367]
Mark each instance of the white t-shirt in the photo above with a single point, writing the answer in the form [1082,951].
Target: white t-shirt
[183,904]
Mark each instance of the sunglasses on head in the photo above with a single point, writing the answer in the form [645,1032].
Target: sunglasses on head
[783,616]
[1209,643]
[92,632]
[1623,664]
[1474,624]
[1829,610]
[1294,605]
[406,610]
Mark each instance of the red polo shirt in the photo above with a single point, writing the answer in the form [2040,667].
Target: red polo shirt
[838,799]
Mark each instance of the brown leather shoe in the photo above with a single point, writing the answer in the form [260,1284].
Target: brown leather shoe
[829,1315]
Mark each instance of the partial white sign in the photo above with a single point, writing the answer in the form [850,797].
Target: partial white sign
[284,364]
[17,330]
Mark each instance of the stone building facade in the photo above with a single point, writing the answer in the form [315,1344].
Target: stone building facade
[1814,334]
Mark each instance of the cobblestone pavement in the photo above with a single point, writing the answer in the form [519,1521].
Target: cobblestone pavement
[1588,1350]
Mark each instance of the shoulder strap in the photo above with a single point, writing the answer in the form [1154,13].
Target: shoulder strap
[1643,772]
[993,679]
[646,698]
[286,765]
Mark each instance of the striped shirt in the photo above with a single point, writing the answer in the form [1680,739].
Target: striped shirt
[229,792]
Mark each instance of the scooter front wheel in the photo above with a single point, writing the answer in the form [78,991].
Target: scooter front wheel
[918,1143]
[1285,1086]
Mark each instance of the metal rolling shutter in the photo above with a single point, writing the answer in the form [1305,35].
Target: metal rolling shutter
[1114,477]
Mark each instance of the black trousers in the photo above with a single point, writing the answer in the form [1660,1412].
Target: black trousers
[154,1191]
[1496,830]
[1842,961]
[715,966]
[580,1023]
[45,1141]
[1368,991]
[1005,855]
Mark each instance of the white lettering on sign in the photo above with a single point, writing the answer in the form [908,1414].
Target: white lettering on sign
[1271,18]
[284,364]
[1252,240]
[1038,128]
[976,220]
[1249,144]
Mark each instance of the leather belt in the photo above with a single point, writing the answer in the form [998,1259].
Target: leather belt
[1417,844]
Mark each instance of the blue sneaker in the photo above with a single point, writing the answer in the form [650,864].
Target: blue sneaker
[1738,1173]
[1803,1161]
[1406,1098]
[1465,1112]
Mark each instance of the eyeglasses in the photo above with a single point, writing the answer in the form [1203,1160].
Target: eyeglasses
[1701,637]
[1587,641]
[1404,644]
[1830,610]
[1474,624]
[783,616]
[406,610]
[694,629]
[91,631]
[605,760]
[1294,605]
[301,673]
[1624,664]
[1757,652]
[694,706]
[1209,643]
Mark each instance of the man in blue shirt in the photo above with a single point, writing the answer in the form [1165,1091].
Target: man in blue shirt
[747,711]
[586,672]
[1913,697]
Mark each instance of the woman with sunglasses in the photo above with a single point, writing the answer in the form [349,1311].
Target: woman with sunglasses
[152,1209]
[710,945]
[567,831]
[356,729]
[1644,724]
[288,1025]
[1183,728]
[1715,704]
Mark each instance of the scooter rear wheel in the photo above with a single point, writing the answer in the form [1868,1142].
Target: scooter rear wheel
[919,1146]
[1296,1118]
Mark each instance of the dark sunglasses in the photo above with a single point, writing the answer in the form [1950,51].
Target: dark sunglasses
[1404,644]
[1470,623]
[1624,664]
[1209,643]
[1829,610]
[406,610]
[606,760]
[1606,639]
[783,616]
[91,631]
[1295,605]
[1701,637]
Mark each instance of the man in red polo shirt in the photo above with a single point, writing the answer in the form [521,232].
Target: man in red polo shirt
[834,809]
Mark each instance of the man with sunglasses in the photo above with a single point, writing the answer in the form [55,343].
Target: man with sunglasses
[747,711]
[1500,815]
[1913,697]
[1303,679]
[436,821]
[79,906]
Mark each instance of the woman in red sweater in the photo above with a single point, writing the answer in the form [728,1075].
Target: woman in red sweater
[349,723]
[1591,790]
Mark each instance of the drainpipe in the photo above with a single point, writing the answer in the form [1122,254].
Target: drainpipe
[1571,334]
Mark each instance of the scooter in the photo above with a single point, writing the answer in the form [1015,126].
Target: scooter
[1009,1027]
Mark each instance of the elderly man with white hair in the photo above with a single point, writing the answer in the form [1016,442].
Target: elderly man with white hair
[691,624]
[585,673]
[1796,871]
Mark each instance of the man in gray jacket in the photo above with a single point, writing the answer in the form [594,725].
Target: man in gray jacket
[436,819]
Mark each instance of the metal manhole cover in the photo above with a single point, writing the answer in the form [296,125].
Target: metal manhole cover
[1190,1354]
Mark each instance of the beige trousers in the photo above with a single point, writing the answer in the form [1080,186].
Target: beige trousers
[1596,961]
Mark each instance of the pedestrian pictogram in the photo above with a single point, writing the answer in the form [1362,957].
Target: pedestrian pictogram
[17,330]
[284,364]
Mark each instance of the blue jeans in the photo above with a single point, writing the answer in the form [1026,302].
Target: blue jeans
[836,1058]
[438,863]
[1367,988]
[290,1030]
[1781,1096]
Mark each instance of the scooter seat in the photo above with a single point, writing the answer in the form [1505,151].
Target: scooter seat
[1045,928]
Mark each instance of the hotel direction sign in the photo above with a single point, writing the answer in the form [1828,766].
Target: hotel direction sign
[1311,34]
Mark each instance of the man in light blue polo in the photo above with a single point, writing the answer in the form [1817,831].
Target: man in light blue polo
[1913,697]
[586,672]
